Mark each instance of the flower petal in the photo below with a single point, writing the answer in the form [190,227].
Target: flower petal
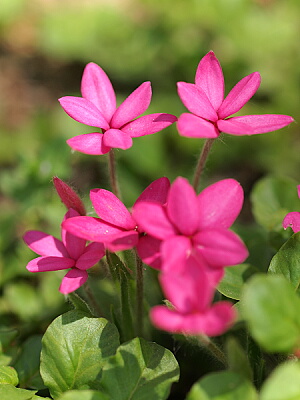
[190,125]
[74,244]
[116,138]
[166,319]
[135,104]
[257,123]
[148,249]
[220,247]
[93,253]
[82,110]
[89,143]
[49,263]
[196,101]
[239,95]
[97,88]
[73,280]
[209,77]
[148,124]
[111,209]
[152,219]
[182,206]
[68,196]
[157,191]
[45,245]
[220,204]
[174,253]
[292,220]
[90,228]
[122,241]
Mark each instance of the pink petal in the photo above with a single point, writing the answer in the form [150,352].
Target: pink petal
[89,143]
[174,253]
[190,125]
[111,209]
[93,253]
[90,228]
[182,206]
[239,95]
[209,77]
[152,219]
[257,123]
[50,263]
[220,247]
[219,319]
[148,249]
[292,220]
[73,280]
[116,138]
[298,190]
[74,244]
[166,319]
[135,104]
[234,127]
[122,241]
[97,88]
[82,110]
[68,196]
[196,101]
[157,191]
[44,244]
[148,124]
[220,204]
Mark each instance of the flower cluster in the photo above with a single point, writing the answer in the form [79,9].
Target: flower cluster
[182,234]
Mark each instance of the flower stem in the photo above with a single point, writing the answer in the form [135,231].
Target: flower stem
[113,173]
[139,295]
[201,162]
[92,300]
[213,348]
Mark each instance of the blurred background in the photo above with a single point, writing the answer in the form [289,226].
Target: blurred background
[44,46]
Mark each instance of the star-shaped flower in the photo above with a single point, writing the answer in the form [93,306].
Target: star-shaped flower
[210,111]
[97,107]
[69,253]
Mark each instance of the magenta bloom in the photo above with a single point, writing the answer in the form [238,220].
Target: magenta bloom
[116,228]
[210,111]
[199,224]
[191,293]
[292,219]
[69,253]
[97,107]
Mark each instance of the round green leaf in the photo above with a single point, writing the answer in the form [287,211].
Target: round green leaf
[142,371]
[8,375]
[287,261]
[83,395]
[271,308]
[283,383]
[222,386]
[234,279]
[74,349]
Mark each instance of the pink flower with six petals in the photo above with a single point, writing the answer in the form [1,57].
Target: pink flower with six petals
[210,111]
[97,107]
[70,252]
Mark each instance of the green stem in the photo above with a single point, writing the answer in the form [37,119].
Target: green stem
[201,162]
[92,300]
[139,295]
[215,350]
[113,173]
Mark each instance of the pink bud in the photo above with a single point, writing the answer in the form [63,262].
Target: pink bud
[68,196]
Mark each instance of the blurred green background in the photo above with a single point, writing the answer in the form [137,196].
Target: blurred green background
[44,46]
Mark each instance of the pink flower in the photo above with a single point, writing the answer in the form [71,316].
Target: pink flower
[191,293]
[69,253]
[199,224]
[97,107]
[292,219]
[116,228]
[210,111]
[68,196]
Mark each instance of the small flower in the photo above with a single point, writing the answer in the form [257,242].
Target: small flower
[189,223]
[70,252]
[210,111]
[116,228]
[68,196]
[292,219]
[97,107]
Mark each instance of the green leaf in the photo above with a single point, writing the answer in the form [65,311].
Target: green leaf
[272,199]
[222,386]
[83,395]
[234,279]
[28,363]
[7,335]
[286,261]
[74,349]
[283,383]
[142,370]
[237,359]
[9,392]
[79,304]
[271,308]
[8,375]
